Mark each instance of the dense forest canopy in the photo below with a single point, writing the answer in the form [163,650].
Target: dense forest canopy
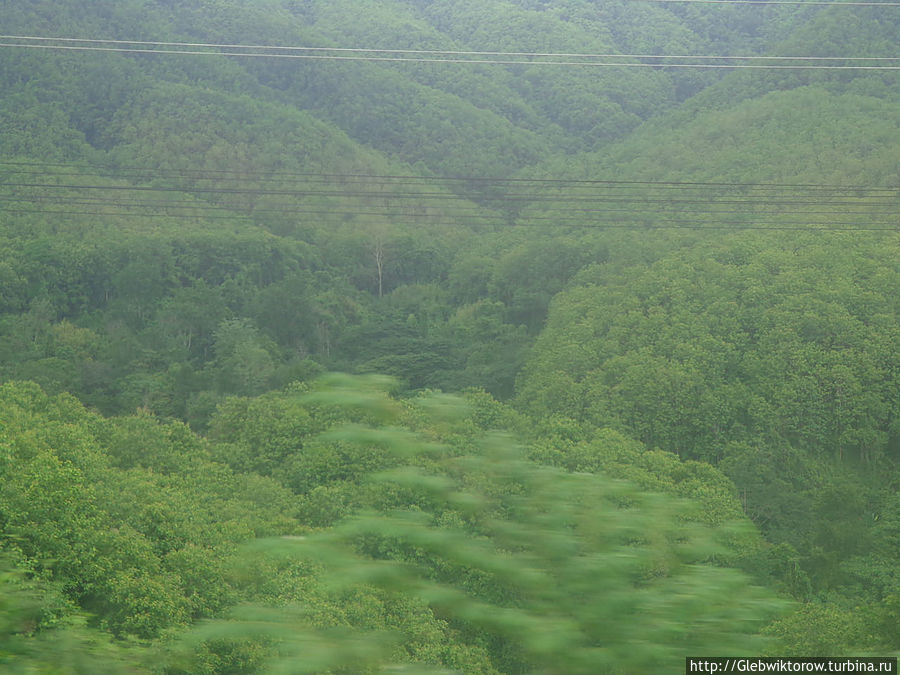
[614,283]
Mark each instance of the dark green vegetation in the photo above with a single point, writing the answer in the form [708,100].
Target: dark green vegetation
[665,299]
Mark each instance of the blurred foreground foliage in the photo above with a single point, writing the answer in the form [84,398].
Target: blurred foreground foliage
[41,635]
[534,568]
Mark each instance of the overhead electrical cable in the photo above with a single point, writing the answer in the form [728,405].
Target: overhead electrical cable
[357,198]
[417,214]
[414,56]
[630,223]
[461,211]
[442,52]
[507,196]
[564,201]
[600,198]
[410,179]
[620,216]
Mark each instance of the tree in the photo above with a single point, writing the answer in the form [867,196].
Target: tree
[245,361]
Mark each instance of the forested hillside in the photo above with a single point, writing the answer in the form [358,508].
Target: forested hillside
[614,285]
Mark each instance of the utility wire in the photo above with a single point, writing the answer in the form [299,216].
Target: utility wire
[439,196]
[597,64]
[640,221]
[580,217]
[460,205]
[409,179]
[234,211]
[411,200]
[796,199]
[892,208]
[442,52]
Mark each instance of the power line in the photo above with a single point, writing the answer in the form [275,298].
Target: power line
[410,179]
[468,201]
[602,210]
[410,59]
[797,198]
[460,203]
[599,199]
[443,52]
[600,194]
[559,215]
[630,223]
[434,196]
